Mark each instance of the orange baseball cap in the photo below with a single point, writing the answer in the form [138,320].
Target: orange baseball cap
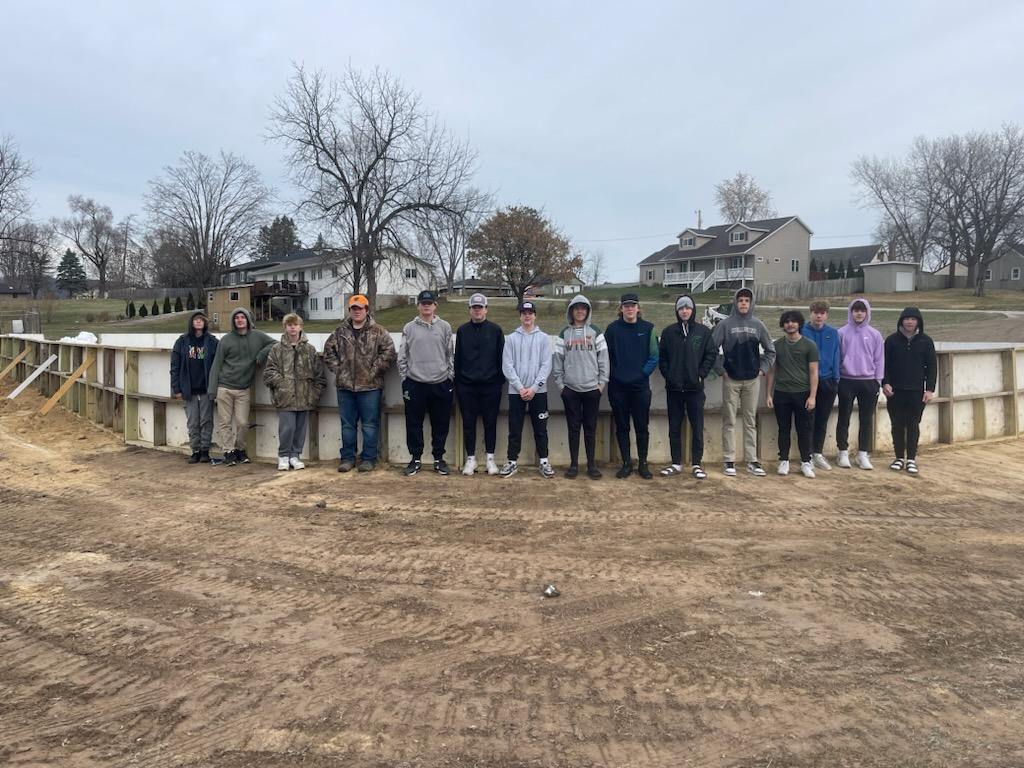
[358,298]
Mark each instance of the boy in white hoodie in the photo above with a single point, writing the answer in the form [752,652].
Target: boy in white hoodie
[526,363]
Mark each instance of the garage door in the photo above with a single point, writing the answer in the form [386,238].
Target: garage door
[904,281]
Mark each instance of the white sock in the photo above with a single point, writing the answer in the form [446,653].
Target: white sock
[543,461]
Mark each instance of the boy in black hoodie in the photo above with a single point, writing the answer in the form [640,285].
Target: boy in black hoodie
[685,358]
[908,385]
[191,360]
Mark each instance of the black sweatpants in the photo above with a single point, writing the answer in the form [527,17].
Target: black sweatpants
[905,407]
[690,405]
[581,410]
[865,392]
[630,404]
[479,401]
[824,399]
[790,409]
[422,399]
[538,409]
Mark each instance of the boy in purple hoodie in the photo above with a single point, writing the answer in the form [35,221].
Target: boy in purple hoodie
[860,377]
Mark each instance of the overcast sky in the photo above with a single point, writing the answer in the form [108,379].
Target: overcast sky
[616,119]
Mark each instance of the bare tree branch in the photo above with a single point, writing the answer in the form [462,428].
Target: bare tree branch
[741,199]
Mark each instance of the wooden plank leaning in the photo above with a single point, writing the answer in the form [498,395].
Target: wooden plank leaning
[68,383]
[14,362]
[32,377]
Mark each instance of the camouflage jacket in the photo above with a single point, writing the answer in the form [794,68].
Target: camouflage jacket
[359,362]
[295,375]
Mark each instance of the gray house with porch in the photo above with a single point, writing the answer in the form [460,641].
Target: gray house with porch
[744,254]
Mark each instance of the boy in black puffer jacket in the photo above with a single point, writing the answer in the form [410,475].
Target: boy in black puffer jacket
[908,385]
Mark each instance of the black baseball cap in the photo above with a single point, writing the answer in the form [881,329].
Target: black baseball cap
[527,306]
[426,297]
[629,298]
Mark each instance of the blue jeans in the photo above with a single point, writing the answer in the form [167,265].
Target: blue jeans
[354,407]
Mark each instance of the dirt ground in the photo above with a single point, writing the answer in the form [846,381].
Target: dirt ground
[155,614]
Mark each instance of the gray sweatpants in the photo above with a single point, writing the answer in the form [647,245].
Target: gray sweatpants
[291,433]
[199,416]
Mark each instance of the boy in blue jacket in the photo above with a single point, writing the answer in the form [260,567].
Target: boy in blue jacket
[826,338]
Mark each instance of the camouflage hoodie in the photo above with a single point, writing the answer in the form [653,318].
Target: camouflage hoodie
[359,360]
[295,375]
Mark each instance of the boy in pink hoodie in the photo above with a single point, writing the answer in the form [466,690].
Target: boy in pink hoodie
[861,371]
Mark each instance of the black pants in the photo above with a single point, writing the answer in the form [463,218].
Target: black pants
[484,401]
[629,404]
[581,410]
[790,409]
[905,408]
[824,399]
[422,399]
[865,392]
[538,408]
[691,405]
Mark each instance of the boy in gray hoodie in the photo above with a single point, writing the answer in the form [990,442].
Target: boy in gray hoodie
[581,373]
[526,363]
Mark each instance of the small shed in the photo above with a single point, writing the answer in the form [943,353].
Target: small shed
[890,276]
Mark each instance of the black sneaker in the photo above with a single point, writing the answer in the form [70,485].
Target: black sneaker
[230,459]
[593,472]
[625,470]
[572,472]
[441,466]
[194,458]
[204,456]
[241,457]
[643,470]
[412,467]
[730,469]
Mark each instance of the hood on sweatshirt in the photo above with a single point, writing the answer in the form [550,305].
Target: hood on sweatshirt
[303,339]
[693,316]
[248,317]
[849,311]
[577,299]
[192,316]
[735,310]
[911,312]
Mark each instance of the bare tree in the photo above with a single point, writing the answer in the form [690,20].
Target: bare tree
[91,228]
[594,267]
[15,171]
[742,199]
[370,162]
[441,236]
[517,246]
[26,255]
[216,207]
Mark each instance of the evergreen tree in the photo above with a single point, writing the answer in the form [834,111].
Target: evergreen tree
[202,300]
[190,304]
[131,309]
[278,239]
[814,266]
[177,305]
[167,305]
[71,274]
[849,268]
[143,312]
[155,309]
[833,273]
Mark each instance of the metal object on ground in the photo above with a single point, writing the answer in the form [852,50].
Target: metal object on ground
[550,590]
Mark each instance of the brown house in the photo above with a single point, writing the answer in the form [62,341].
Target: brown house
[267,300]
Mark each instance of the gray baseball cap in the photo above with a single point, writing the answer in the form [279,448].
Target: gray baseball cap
[478,299]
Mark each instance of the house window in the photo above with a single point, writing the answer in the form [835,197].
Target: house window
[737,262]
[650,274]
[302,275]
[232,295]
[410,273]
[1015,273]
[778,260]
[988,274]
[334,271]
[738,237]
[216,319]
[209,297]
[760,259]
[688,241]
[313,305]
[794,265]
[329,302]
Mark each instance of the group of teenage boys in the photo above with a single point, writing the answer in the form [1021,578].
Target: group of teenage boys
[809,367]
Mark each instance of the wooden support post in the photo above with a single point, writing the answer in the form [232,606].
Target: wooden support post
[1011,413]
[68,384]
[13,363]
[32,377]
[313,434]
[945,387]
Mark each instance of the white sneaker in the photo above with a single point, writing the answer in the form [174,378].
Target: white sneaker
[492,466]
[807,468]
[282,462]
[820,461]
[296,464]
[863,461]
[510,468]
[546,470]
[783,468]
[469,466]
[843,459]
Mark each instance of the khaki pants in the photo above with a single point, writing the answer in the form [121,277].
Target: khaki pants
[232,417]
[742,396]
